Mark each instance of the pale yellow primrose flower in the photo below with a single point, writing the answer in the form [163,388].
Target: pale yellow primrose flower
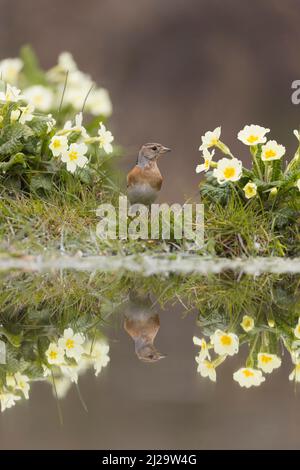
[26,113]
[297,329]
[11,94]
[248,377]
[14,115]
[98,103]
[250,190]
[55,354]
[72,344]
[8,399]
[78,127]
[204,352]
[228,169]
[268,362]
[253,135]
[247,323]
[75,157]
[105,139]
[207,155]
[210,138]
[58,145]
[40,96]
[10,69]
[225,343]
[272,151]
[66,62]
[207,369]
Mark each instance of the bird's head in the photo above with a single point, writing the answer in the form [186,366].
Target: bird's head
[148,353]
[151,152]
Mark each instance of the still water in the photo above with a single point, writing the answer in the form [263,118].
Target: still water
[131,343]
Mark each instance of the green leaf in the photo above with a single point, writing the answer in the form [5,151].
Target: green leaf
[18,158]
[31,68]
[41,182]
[11,147]
[38,126]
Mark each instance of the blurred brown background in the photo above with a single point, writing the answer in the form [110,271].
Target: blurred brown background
[174,68]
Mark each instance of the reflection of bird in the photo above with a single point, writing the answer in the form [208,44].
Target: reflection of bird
[142,324]
[144,180]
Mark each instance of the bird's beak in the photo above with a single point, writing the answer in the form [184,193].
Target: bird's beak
[164,150]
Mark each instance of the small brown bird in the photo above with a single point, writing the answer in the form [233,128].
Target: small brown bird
[144,180]
[142,324]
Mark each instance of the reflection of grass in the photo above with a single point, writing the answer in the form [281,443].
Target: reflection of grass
[36,309]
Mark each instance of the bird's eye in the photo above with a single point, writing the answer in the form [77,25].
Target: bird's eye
[154,147]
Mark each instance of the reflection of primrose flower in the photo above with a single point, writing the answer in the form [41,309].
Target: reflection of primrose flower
[22,384]
[105,139]
[72,344]
[272,151]
[207,159]
[228,169]
[248,377]
[7,400]
[55,354]
[295,374]
[75,157]
[225,343]
[98,353]
[250,190]
[253,135]
[58,145]
[207,369]
[268,362]
[297,329]
[247,323]
[40,96]
[204,352]
[10,69]
[210,138]
[11,94]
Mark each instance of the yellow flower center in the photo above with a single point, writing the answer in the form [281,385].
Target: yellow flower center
[209,365]
[229,172]
[252,138]
[247,373]
[213,141]
[247,323]
[206,164]
[73,155]
[53,355]
[265,359]
[226,340]
[69,344]
[56,143]
[270,153]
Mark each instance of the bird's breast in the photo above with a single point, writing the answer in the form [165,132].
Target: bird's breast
[143,184]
